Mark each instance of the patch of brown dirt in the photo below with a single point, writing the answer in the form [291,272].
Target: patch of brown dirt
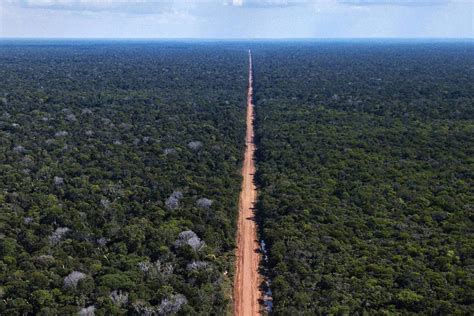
[246,284]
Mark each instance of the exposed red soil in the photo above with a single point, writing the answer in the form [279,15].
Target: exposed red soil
[246,284]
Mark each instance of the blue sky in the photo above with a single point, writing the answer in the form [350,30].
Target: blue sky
[236,18]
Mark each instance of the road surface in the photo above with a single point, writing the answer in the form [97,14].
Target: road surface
[247,279]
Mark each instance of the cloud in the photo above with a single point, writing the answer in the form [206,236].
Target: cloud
[418,3]
[267,3]
[149,6]
[317,3]
[120,6]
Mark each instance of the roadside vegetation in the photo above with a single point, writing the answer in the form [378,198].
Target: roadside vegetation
[119,177]
[365,174]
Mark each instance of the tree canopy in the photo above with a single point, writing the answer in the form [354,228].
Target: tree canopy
[365,176]
[109,152]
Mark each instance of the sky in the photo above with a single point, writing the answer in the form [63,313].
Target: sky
[236,19]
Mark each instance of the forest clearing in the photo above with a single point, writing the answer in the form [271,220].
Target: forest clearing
[246,289]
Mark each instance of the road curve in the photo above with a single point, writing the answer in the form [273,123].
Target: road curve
[246,283]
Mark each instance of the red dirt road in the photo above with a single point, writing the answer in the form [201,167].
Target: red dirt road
[246,283]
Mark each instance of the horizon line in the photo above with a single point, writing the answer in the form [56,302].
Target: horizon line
[233,38]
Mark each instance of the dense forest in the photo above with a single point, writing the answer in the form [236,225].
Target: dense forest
[119,176]
[365,171]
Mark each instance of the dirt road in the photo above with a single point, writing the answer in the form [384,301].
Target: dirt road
[246,283]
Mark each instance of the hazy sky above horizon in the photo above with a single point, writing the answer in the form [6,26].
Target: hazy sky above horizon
[236,18]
